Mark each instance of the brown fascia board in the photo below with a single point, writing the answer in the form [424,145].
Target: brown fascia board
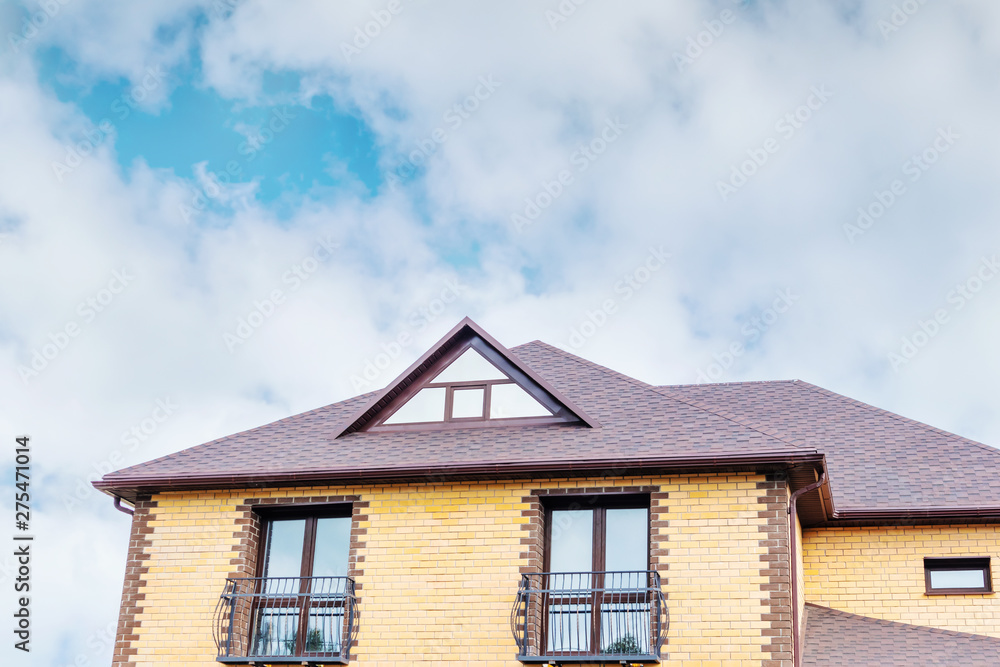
[902,516]
[918,514]
[457,334]
[154,484]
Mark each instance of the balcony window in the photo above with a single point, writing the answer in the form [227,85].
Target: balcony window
[597,600]
[302,606]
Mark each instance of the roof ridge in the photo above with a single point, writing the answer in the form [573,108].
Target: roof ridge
[658,390]
[731,418]
[728,384]
[585,362]
[882,621]
[899,417]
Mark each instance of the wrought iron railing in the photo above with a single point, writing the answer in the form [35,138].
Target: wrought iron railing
[286,619]
[602,616]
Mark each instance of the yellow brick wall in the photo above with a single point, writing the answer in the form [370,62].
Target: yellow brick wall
[441,570]
[714,576]
[879,572]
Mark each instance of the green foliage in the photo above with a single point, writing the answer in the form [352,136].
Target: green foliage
[314,640]
[627,645]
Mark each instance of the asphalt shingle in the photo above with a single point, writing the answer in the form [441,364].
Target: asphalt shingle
[838,639]
[876,459]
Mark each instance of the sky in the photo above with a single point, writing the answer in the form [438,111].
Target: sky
[215,214]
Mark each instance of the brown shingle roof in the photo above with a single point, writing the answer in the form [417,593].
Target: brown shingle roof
[639,426]
[876,459]
[838,639]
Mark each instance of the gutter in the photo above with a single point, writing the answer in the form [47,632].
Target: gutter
[125,510]
[793,568]
[923,513]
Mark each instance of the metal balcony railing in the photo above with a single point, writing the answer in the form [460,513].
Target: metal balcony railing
[590,617]
[286,620]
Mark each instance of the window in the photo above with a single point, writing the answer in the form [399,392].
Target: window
[469,389]
[468,380]
[954,576]
[611,534]
[598,585]
[303,591]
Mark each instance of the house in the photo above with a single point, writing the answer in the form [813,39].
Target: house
[526,506]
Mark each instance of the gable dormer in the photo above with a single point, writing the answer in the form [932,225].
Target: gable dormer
[467,380]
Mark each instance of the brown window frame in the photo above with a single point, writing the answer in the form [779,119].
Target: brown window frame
[540,392]
[600,503]
[311,514]
[308,512]
[937,564]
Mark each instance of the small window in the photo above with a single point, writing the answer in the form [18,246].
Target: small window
[470,366]
[470,390]
[955,576]
[426,406]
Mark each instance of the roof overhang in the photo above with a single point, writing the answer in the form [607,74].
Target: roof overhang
[132,487]
[906,516]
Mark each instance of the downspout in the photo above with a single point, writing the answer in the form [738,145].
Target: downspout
[118,506]
[793,568]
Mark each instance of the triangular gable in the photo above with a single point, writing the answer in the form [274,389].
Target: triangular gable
[466,380]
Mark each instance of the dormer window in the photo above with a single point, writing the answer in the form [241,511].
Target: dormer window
[468,389]
[467,380]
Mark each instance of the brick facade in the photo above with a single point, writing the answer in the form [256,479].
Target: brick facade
[879,572]
[438,566]
[727,588]
[129,619]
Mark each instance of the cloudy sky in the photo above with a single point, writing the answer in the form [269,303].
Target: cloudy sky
[214,214]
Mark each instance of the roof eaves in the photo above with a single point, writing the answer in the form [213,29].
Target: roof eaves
[477,470]
[918,513]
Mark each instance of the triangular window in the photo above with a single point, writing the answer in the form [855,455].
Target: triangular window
[470,366]
[470,388]
[467,380]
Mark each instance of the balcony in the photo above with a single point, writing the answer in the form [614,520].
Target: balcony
[292,620]
[563,617]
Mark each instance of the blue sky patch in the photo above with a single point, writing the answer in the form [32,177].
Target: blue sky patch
[287,148]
